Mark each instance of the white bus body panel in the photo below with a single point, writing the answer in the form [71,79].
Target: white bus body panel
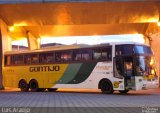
[101,70]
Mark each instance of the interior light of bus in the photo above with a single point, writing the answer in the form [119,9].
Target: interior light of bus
[152,61]
[158,23]
[152,72]
[22,23]
[39,40]
[11,28]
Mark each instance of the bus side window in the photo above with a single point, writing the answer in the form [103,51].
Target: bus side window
[31,59]
[63,56]
[119,66]
[123,50]
[102,54]
[58,56]
[7,60]
[76,55]
[49,57]
[42,58]
[109,53]
[67,56]
[34,58]
[86,55]
[97,54]
[27,59]
[46,58]
[17,59]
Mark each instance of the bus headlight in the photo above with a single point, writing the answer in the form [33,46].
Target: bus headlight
[151,77]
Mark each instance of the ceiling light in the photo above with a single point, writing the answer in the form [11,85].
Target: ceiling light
[11,28]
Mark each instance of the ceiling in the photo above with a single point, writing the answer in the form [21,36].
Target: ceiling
[79,18]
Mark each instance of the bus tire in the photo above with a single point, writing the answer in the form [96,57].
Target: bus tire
[52,89]
[33,84]
[106,86]
[23,85]
[124,91]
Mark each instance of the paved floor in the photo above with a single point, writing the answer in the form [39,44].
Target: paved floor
[79,98]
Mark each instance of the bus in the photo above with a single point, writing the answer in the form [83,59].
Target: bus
[109,67]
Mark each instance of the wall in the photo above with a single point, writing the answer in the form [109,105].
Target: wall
[155,44]
[5,45]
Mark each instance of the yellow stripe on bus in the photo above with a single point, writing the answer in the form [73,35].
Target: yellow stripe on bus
[46,75]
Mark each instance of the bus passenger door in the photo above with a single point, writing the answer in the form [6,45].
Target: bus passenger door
[129,73]
[118,70]
[123,73]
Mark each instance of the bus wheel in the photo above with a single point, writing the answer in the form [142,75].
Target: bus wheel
[52,89]
[34,85]
[124,91]
[106,87]
[23,86]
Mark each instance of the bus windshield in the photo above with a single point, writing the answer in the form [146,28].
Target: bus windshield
[145,66]
[133,49]
[139,49]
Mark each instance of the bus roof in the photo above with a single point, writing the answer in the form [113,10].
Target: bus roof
[68,47]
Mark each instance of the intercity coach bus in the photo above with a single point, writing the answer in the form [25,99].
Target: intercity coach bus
[109,67]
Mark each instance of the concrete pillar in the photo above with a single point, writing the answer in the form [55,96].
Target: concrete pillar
[33,42]
[153,35]
[156,49]
[6,39]
[5,45]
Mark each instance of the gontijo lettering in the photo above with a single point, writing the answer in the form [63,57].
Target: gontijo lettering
[44,68]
